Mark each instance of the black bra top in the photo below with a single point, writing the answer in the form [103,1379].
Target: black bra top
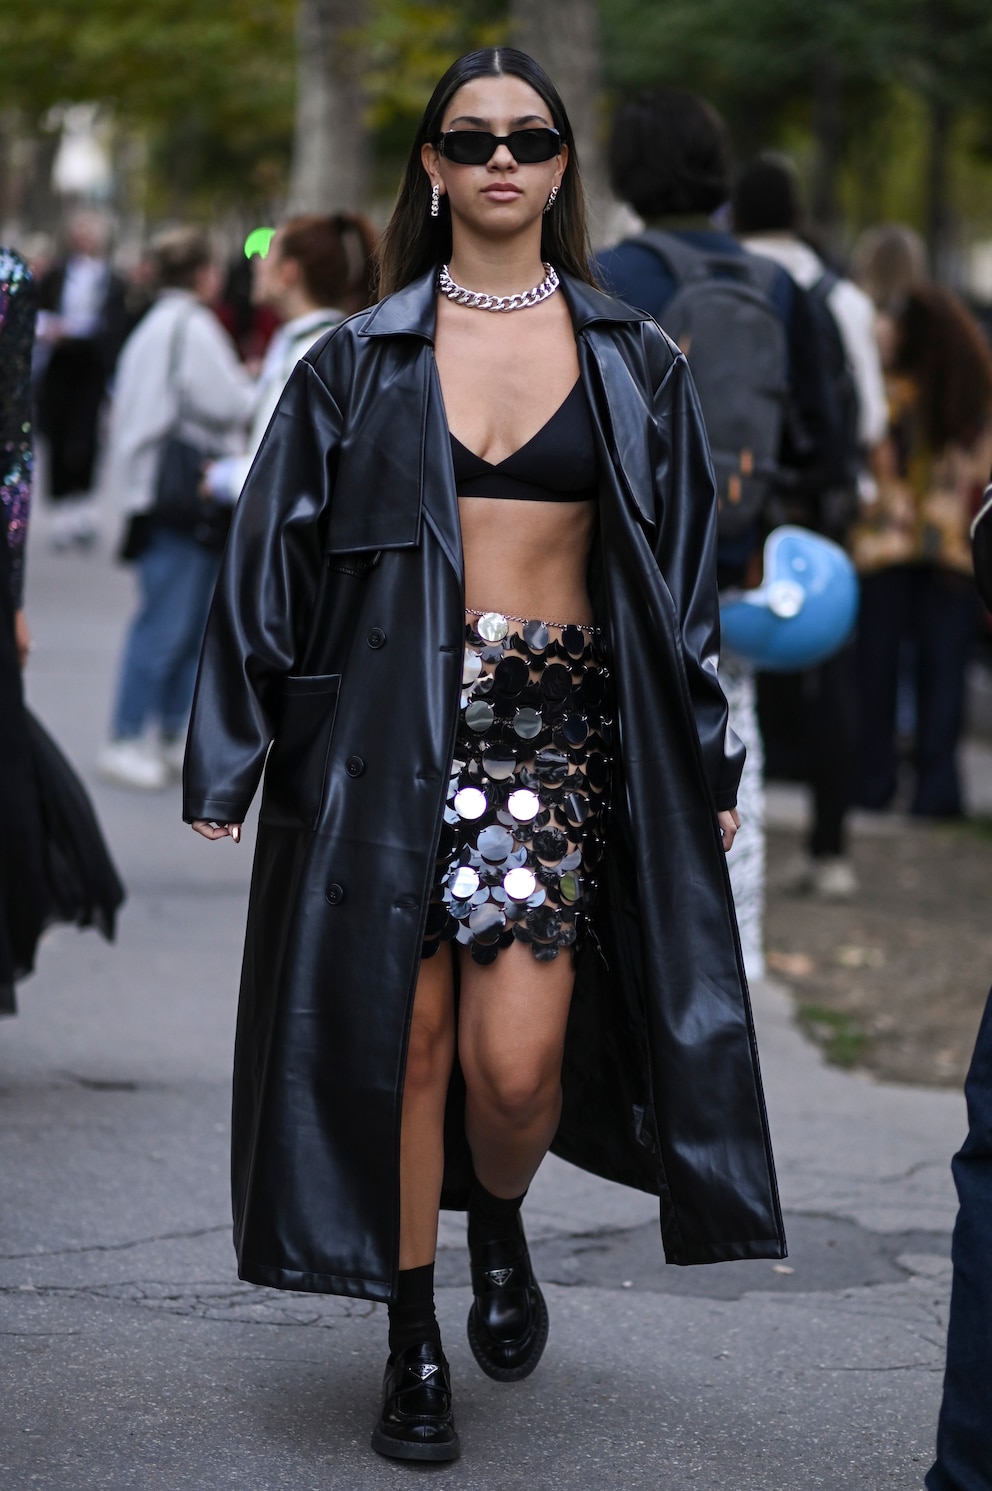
[558,464]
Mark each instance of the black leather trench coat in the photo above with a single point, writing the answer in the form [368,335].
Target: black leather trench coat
[336,635]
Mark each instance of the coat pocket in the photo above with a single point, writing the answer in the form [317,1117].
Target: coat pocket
[297,762]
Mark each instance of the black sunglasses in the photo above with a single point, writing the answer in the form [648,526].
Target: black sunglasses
[474,147]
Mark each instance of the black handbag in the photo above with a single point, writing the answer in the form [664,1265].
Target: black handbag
[178,503]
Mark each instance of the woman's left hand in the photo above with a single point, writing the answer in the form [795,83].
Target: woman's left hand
[729,822]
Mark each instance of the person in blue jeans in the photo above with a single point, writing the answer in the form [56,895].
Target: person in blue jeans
[964,1429]
[178,374]
[176,581]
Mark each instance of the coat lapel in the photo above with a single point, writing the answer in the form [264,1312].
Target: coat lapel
[430,482]
[618,398]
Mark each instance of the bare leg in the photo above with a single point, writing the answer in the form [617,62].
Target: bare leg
[428,1068]
[511,1036]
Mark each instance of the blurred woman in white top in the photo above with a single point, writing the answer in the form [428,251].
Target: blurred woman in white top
[318,269]
[178,374]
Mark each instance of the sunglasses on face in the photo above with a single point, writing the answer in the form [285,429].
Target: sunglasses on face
[474,147]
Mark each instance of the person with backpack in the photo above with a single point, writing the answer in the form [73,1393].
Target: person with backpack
[809,718]
[744,326]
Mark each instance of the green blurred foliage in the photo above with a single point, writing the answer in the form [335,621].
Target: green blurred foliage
[883,71]
[409,46]
[858,89]
[210,83]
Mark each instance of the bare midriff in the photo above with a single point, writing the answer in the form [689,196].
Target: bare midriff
[528,558]
[502,379]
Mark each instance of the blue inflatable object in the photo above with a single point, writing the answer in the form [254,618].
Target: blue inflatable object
[803,611]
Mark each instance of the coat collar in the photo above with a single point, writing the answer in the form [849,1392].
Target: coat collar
[412,310]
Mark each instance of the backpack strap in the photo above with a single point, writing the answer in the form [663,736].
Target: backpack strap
[823,287]
[685,261]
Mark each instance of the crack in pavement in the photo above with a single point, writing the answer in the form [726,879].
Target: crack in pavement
[119,1247]
[227,1303]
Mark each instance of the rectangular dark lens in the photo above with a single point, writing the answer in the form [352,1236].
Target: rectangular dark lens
[529,146]
[469,147]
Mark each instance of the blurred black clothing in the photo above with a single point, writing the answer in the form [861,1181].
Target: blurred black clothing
[73,382]
[809,726]
[54,865]
[937,612]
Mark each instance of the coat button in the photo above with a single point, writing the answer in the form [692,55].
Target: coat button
[334,894]
[354,766]
[376,638]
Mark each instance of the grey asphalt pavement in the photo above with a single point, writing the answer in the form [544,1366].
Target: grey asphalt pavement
[134,1360]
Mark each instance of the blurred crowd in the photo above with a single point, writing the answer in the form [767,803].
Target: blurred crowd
[168,371]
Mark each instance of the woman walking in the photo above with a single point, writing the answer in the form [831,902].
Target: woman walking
[54,865]
[913,550]
[318,267]
[469,597]
[178,377]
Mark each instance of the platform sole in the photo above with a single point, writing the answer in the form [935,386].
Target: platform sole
[478,1340]
[400,1449]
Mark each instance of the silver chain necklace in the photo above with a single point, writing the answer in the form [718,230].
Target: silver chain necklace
[479,301]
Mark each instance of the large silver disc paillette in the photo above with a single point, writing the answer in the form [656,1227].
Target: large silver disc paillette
[492,626]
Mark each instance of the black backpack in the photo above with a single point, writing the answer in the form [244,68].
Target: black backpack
[724,320]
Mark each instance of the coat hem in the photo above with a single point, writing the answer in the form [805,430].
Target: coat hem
[734,1252]
[270,1277]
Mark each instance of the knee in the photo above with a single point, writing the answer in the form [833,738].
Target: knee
[428,1059]
[518,1093]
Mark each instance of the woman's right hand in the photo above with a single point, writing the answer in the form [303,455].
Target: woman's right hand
[217,830]
[22,637]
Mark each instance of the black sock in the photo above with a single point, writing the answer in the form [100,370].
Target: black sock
[411,1315]
[492,1218]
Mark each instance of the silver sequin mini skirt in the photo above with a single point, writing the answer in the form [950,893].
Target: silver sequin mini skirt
[529,790]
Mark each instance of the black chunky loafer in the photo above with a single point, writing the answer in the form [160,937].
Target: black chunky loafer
[416,1422]
[508,1321]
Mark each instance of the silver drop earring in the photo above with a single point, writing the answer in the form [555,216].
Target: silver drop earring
[551,200]
[435,200]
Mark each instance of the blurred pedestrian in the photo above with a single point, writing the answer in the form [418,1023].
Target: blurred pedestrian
[809,719]
[179,378]
[887,261]
[53,862]
[964,1429]
[82,323]
[912,550]
[434,873]
[250,324]
[318,268]
[670,159]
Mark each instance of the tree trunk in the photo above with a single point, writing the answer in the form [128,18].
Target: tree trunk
[828,131]
[563,36]
[331,154]
[938,207]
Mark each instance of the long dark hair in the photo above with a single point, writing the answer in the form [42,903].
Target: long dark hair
[336,255]
[941,347]
[415,242]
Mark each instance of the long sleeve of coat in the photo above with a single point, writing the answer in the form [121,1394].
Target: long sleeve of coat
[263,601]
[685,549]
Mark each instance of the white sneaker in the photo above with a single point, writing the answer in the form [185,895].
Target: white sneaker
[132,763]
[173,752]
[834,879]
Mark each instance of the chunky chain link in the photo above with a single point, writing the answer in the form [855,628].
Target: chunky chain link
[480,301]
